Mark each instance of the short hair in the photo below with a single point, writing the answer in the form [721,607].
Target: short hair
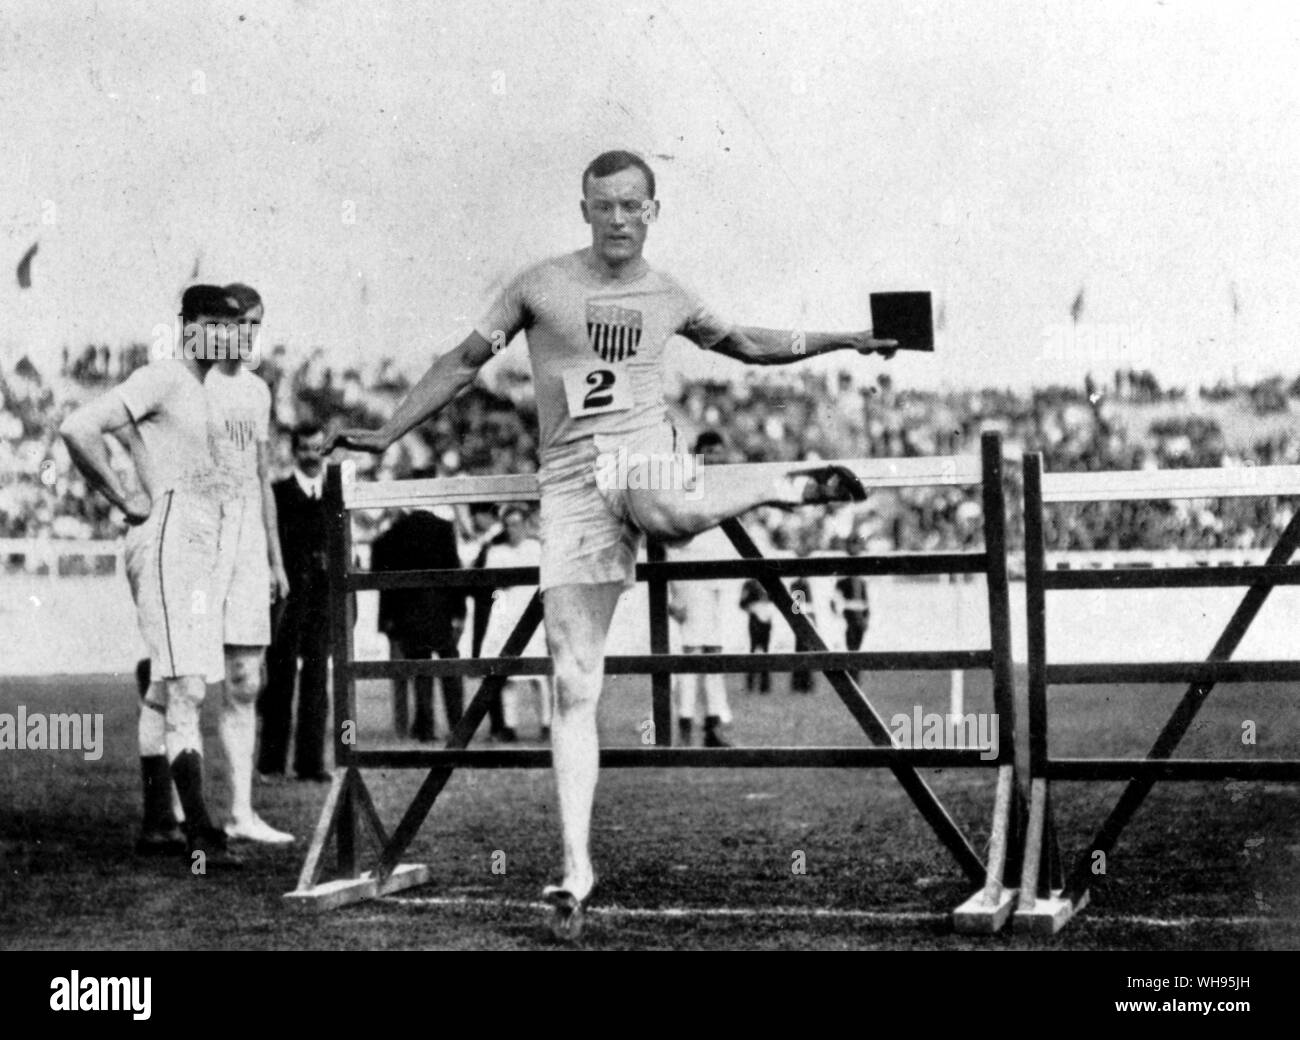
[709,439]
[244,295]
[303,430]
[607,163]
[210,301]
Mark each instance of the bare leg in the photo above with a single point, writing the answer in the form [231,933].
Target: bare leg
[577,623]
[674,512]
[237,732]
[236,727]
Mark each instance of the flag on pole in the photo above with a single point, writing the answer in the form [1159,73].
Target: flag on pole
[1076,308]
[25,267]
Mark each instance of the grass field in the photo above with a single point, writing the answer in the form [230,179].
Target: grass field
[688,858]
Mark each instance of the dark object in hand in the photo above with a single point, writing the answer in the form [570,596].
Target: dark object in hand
[905,317]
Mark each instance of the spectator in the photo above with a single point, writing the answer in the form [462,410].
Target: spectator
[424,621]
[756,603]
[301,632]
[849,604]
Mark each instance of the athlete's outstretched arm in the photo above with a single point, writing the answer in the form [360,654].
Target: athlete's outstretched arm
[757,346]
[447,377]
[83,432]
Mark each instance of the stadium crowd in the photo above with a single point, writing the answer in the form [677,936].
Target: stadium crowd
[786,416]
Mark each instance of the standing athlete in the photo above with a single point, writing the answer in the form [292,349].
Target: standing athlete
[699,609]
[598,321]
[164,418]
[242,403]
[508,605]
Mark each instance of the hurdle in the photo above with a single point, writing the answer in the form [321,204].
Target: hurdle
[349,809]
[1049,897]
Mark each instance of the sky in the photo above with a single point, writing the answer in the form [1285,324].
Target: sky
[378,169]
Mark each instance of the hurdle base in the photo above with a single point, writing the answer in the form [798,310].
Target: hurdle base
[1047,916]
[982,916]
[345,891]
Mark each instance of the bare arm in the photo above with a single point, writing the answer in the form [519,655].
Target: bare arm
[757,346]
[447,377]
[271,522]
[83,432]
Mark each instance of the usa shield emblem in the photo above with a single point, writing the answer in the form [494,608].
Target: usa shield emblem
[613,332]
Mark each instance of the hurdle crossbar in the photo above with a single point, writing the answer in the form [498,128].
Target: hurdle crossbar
[350,814]
[1048,896]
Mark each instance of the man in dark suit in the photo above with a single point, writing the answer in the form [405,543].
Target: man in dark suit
[755,602]
[302,630]
[487,532]
[851,604]
[423,621]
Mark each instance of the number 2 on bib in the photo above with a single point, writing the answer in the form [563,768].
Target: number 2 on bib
[594,391]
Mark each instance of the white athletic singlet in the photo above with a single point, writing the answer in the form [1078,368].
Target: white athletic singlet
[596,345]
[178,428]
[242,403]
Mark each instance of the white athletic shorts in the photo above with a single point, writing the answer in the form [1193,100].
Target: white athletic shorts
[248,598]
[175,564]
[588,529]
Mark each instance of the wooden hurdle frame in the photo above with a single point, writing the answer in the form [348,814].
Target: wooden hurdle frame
[1048,896]
[349,803]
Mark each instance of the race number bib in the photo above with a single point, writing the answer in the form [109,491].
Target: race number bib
[594,391]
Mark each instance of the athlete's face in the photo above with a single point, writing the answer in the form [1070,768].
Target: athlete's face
[246,331]
[206,339]
[620,212]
